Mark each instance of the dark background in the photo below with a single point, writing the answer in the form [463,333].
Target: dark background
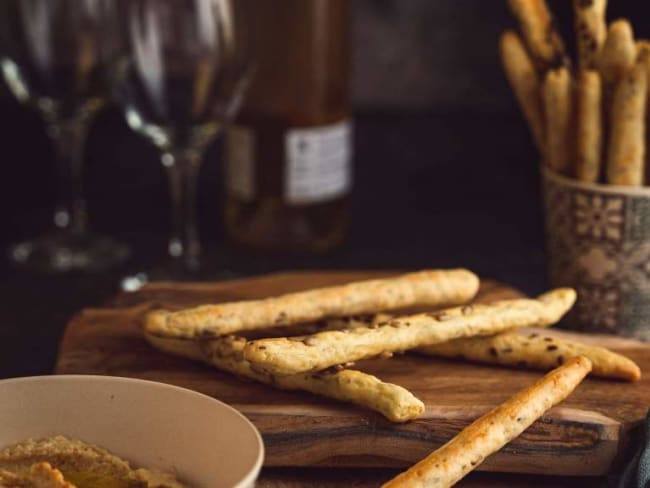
[445,172]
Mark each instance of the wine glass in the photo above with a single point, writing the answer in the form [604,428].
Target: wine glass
[179,72]
[49,57]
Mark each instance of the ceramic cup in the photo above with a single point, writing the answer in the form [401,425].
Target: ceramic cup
[598,241]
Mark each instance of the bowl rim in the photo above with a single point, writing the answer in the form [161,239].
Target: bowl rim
[629,191]
[246,481]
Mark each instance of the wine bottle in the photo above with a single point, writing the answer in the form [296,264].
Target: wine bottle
[289,152]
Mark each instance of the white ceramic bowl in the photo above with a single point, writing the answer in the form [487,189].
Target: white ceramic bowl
[154,425]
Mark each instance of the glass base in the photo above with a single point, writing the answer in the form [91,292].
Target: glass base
[172,270]
[62,252]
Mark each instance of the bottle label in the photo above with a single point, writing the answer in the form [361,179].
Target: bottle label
[240,162]
[318,163]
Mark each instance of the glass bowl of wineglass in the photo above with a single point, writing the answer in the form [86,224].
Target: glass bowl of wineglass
[50,58]
[179,69]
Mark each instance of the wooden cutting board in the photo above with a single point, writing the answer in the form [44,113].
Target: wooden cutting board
[587,434]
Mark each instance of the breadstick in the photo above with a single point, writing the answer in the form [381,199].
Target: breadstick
[591,30]
[557,93]
[514,349]
[589,126]
[395,403]
[615,59]
[524,81]
[431,288]
[447,465]
[320,351]
[531,350]
[618,53]
[643,50]
[535,351]
[626,153]
[540,33]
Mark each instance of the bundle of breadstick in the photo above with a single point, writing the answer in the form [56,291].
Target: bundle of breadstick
[310,341]
[588,119]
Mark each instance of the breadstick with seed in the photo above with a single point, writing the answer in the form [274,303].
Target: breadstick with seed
[532,350]
[395,403]
[535,351]
[591,30]
[557,96]
[447,465]
[618,53]
[525,83]
[589,126]
[430,288]
[626,153]
[320,351]
[542,38]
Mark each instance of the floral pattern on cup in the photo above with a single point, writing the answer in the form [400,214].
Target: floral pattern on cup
[598,240]
[598,217]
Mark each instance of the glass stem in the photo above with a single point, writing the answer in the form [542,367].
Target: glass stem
[68,137]
[183,170]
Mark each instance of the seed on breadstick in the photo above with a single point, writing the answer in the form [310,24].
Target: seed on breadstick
[524,80]
[447,465]
[618,53]
[320,351]
[535,350]
[394,402]
[591,30]
[540,34]
[558,105]
[589,126]
[424,288]
[626,154]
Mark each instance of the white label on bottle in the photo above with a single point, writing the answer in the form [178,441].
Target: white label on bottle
[318,163]
[240,162]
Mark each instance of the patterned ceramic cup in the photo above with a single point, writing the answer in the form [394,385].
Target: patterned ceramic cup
[598,239]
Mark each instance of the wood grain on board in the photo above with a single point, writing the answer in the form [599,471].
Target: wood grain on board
[584,436]
[373,478]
